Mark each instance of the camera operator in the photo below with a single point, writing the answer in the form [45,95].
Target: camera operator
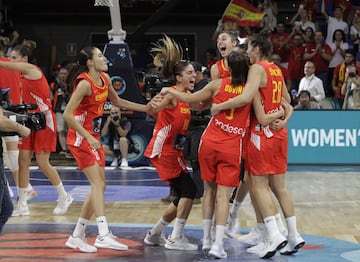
[351,88]
[6,205]
[117,128]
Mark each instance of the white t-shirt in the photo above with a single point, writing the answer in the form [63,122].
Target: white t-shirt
[335,24]
[314,85]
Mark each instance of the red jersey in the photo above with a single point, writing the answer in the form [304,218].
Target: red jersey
[90,110]
[38,92]
[322,65]
[226,130]
[10,79]
[278,42]
[222,69]
[296,62]
[169,131]
[271,96]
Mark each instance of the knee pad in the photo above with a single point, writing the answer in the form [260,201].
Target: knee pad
[12,160]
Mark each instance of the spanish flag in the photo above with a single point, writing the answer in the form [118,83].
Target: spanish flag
[242,13]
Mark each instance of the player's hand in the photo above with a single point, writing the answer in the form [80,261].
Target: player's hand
[214,109]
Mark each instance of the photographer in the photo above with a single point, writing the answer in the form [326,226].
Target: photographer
[116,128]
[351,88]
[6,205]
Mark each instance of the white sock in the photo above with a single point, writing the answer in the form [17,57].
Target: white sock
[271,226]
[159,227]
[102,225]
[80,227]
[22,197]
[220,231]
[178,229]
[234,209]
[29,187]
[207,228]
[61,190]
[280,223]
[291,224]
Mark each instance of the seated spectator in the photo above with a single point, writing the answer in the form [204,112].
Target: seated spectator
[312,83]
[117,128]
[351,88]
[305,103]
[339,76]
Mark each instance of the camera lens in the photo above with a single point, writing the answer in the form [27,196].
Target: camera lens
[352,74]
[115,118]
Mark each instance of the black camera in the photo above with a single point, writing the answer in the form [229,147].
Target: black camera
[115,118]
[153,84]
[351,74]
[19,112]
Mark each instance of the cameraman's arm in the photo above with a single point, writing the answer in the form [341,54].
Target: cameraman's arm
[124,129]
[105,129]
[8,125]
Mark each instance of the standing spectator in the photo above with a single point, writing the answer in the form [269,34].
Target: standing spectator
[346,6]
[338,47]
[296,61]
[310,7]
[6,205]
[312,83]
[320,54]
[35,90]
[304,22]
[309,36]
[351,88]
[7,30]
[340,75]
[165,149]
[279,40]
[355,34]
[83,114]
[198,123]
[276,59]
[271,10]
[334,23]
[305,103]
[211,57]
[116,129]
[59,102]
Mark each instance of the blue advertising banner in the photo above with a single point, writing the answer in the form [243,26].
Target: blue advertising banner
[324,137]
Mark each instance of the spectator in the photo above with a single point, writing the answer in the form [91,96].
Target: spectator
[296,61]
[276,59]
[211,57]
[338,47]
[303,23]
[320,54]
[279,39]
[117,129]
[346,7]
[271,10]
[309,36]
[339,76]
[305,103]
[334,23]
[312,83]
[355,34]
[59,102]
[7,30]
[310,7]
[351,88]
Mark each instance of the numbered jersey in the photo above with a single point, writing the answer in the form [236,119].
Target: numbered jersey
[89,112]
[222,69]
[271,96]
[169,131]
[226,129]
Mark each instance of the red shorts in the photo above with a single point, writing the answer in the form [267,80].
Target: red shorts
[220,167]
[169,166]
[39,141]
[85,156]
[267,156]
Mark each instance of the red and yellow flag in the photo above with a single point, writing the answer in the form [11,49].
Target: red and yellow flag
[242,13]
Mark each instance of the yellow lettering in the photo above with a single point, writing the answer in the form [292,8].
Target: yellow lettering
[275,72]
[184,110]
[234,90]
[101,96]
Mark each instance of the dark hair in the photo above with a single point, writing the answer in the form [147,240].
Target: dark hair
[197,66]
[80,66]
[350,51]
[239,66]
[343,36]
[304,92]
[264,44]
[26,48]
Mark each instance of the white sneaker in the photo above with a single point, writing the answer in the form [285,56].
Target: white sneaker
[124,163]
[109,241]
[206,243]
[256,249]
[20,210]
[115,163]
[294,244]
[180,244]
[272,245]
[154,239]
[231,226]
[63,204]
[30,194]
[80,244]
[217,251]
[254,237]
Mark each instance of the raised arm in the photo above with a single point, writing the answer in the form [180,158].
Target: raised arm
[28,70]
